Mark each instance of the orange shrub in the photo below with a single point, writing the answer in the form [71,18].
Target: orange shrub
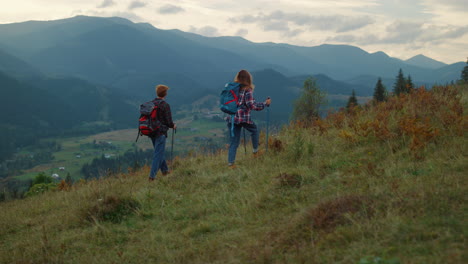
[422,115]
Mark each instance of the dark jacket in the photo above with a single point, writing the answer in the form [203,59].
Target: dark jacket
[164,115]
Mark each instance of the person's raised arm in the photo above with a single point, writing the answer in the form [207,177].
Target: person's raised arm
[251,104]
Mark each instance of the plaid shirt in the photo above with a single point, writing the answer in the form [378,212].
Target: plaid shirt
[246,104]
[164,116]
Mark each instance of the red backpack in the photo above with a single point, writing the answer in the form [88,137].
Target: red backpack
[148,123]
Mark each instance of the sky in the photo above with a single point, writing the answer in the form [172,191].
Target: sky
[401,28]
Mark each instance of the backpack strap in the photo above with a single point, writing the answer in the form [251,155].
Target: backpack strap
[157,102]
[241,98]
[232,125]
[239,102]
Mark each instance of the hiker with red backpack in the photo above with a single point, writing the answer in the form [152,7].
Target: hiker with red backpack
[155,121]
[240,114]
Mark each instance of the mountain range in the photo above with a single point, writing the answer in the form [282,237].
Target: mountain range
[116,51]
[99,69]
[425,62]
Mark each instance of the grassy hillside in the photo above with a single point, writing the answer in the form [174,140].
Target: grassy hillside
[382,184]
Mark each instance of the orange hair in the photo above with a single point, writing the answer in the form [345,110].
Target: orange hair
[161,90]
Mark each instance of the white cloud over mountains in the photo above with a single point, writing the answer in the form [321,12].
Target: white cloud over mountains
[454,5]
[106,3]
[401,32]
[283,21]
[170,9]
[136,4]
[208,31]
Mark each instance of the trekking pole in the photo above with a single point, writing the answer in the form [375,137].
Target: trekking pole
[268,126]
[245,148]
[172,145]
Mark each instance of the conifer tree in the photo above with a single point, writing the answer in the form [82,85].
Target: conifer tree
[400,84]
[464,74]
[307,106]
[352,101]
[380,93]
[409,84]
[68,179]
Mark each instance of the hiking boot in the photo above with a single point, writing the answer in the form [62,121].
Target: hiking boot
[150,179]
[164,173]
[232,166]
[258,153]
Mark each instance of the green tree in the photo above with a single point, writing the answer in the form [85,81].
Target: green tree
[380,92]
[400,84]
[40,184]
[42,178]
[464,74]
[307,106]
[409,84]
[352,101]
[68,179]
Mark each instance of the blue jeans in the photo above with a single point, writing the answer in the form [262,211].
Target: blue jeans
[234,141]
[159,144]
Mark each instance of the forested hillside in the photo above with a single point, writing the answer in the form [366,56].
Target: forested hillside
[44,107]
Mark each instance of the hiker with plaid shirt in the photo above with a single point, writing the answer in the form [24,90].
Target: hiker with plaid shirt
[242,119]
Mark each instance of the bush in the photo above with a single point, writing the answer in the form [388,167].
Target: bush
[112,209]
[289,180]
[40,188]
[42,178]
[329,214]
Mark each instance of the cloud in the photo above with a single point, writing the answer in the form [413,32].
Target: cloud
[276,21]
[275,26]
[455,32]
[105,13]
[136,4]
[281,21]
[454,5]
[403,32]
[367,39]
[170,9]
[245,19]
[242,32]
[293,33]
[128,15]
[397,9]
[406,33]
[106,3]
[344,38]
[207,31]
[351,24]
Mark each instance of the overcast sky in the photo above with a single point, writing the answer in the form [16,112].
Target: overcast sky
[400,28]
